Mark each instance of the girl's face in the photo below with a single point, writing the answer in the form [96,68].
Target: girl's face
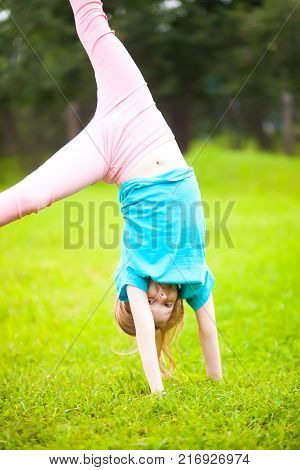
[162,298]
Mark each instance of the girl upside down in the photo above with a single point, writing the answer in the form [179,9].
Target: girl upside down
[129,143]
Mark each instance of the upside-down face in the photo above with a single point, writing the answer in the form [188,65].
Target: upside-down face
[162,298]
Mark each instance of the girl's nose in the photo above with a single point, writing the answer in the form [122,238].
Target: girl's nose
[162,292]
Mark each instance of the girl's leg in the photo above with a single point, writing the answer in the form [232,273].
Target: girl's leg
[135,126]
[116,73]
[85,160]
[78,164]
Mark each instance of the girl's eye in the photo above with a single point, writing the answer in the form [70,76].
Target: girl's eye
[168,305]
[150,301]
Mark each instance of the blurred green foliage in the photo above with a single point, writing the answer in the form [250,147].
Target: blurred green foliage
[196,55]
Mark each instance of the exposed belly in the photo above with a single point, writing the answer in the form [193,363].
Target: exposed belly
[165,158]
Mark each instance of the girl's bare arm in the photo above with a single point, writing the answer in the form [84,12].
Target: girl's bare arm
[208,335]
[145,336]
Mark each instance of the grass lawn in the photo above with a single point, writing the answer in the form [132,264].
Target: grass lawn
[62,386]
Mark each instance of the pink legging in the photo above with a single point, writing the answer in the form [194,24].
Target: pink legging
[125,127]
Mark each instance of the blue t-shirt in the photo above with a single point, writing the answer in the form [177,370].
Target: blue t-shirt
[164,236]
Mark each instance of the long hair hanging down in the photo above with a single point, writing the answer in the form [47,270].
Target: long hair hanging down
[169,333]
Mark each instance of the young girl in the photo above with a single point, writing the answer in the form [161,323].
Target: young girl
[128,142]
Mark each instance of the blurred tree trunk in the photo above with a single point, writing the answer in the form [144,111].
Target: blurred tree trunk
[235,118]
[287,122]
[256,115]
[179,118]
[73,119]
[12,143]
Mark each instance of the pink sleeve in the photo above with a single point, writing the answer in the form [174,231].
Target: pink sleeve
[78,164]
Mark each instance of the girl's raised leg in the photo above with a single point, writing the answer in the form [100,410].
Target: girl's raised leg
[78,164]
[84,160]
[117,75]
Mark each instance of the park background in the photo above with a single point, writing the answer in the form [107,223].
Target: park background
[226,75]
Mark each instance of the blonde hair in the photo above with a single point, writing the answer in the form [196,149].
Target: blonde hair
[168,333]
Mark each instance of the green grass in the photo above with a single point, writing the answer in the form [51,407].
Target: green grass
[96,399]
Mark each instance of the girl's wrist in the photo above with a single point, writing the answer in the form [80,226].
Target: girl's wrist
[158,392]
[215,376]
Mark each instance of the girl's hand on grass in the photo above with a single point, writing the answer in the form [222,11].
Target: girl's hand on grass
[159,394]
[215,378]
